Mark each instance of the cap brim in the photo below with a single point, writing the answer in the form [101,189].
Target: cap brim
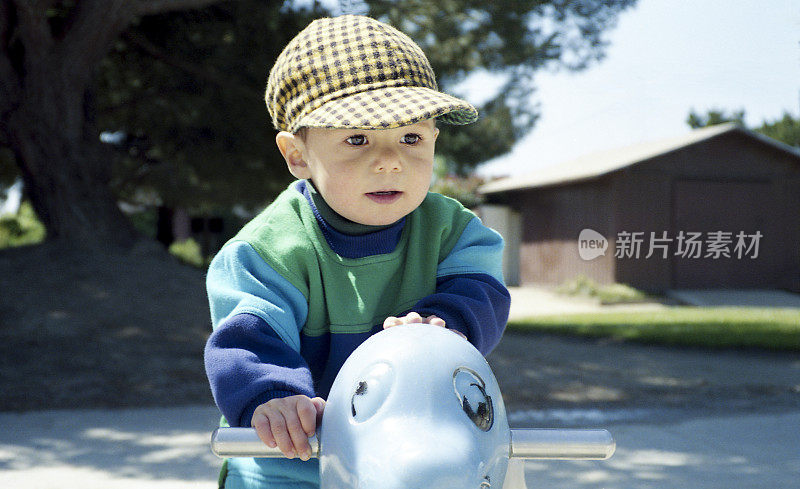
[385,108]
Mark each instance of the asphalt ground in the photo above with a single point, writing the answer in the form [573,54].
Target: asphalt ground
[168,449]
[681,418]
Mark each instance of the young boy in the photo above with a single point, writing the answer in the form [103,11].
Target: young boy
[356,245]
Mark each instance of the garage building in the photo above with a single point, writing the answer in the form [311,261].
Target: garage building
[717,208]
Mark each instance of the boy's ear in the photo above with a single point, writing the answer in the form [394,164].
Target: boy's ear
[292,148]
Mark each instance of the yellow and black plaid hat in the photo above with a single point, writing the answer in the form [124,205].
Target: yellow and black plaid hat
[355,72]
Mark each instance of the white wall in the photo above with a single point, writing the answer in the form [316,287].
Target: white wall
[508,223]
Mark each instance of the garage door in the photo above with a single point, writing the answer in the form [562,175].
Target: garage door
[720,211]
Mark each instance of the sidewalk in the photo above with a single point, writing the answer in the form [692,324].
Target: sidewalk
[540,301]
[168,449]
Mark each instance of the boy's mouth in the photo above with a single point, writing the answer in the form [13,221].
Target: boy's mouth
[384,196]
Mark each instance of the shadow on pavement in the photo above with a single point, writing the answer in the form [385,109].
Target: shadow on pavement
[721,452]
[88,448]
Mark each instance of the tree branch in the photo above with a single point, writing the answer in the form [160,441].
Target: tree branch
[96,23]
[150,7]
[93,25]
[34,29]
[9,81]
[203,72]
[5,21]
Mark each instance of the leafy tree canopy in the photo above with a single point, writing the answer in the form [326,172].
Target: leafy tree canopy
[184,93]
[786,129]
[714,117]
[185,89]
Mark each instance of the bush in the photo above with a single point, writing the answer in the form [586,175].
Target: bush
[188,251]
[607,294]
[21,229]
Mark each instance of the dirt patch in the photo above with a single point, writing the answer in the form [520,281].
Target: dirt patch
[100,329]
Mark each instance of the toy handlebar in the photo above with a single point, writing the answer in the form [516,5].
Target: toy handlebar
[244,442]
[561,444]
[540,444]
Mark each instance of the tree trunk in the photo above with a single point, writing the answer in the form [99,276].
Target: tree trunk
[67,183]
[65,167]
[45,69]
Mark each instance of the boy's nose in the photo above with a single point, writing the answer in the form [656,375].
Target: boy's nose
[392,166]
[388,163]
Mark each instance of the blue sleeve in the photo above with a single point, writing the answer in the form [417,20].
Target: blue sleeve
[253,355]
[470,295]
[239,281]
[247,364]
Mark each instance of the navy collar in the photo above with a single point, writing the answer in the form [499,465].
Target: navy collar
[347,238]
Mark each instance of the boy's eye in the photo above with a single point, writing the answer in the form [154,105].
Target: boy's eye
[411,138]
[357,140]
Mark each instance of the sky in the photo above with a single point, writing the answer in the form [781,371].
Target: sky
[666,58]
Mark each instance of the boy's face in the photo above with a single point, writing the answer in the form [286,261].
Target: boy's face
[368,176]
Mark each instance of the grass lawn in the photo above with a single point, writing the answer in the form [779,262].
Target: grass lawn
[724,327]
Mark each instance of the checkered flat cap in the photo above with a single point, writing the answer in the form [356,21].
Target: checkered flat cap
[355,72]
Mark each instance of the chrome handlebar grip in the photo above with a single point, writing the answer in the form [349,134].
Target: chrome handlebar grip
[545,444]
[244,442]
[562,444]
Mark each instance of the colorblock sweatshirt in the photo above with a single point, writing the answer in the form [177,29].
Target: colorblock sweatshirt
[300,287]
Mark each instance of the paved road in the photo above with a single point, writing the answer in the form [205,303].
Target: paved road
[744,452]
[168,449]
[537,371]
[681,418]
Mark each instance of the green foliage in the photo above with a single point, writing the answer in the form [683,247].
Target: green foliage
[9,171]
[463,189]
[145,222]
[731,327]
[714,117]
[188,252]
[187,87]
[21,229]
[786,129]
[607,294]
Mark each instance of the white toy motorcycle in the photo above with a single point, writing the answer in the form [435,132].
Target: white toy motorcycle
[417,407]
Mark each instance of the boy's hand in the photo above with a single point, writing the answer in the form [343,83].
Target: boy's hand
[288,422]
[413,317]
